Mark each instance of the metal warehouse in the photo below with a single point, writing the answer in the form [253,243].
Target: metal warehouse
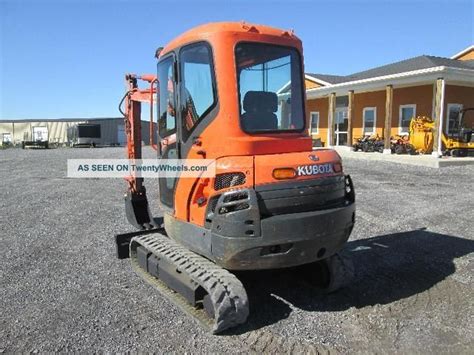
[61,131]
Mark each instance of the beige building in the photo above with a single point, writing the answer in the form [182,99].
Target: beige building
[383,100]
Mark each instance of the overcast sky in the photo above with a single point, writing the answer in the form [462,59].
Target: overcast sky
[68,58]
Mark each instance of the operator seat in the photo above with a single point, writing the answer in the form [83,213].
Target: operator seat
[260,108]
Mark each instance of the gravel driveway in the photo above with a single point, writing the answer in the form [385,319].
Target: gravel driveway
[62,289]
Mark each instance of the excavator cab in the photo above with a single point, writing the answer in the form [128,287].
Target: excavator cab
[466,124]
[234,93]
[458,140]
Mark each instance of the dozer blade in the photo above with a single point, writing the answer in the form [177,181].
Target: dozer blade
[122,241]
[207,292]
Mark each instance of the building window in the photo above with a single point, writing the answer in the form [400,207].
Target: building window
[407,112]
[452,118]
[314,122]
[369,120]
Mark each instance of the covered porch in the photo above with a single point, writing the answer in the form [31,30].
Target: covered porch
[384,105]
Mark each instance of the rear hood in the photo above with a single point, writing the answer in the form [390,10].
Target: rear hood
[307,165]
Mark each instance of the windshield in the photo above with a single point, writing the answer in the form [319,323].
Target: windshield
[270,88]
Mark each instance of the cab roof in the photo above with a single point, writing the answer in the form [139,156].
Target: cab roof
[203,32]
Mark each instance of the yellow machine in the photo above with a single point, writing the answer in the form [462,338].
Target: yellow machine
[458,142]
[421,134]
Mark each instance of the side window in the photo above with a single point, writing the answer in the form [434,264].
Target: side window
[314,122]
[407,112]
[167,104]
[197,85]
[370,117]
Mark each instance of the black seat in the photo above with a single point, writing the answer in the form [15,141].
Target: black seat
[260,108]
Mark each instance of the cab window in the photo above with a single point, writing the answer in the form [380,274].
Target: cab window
[270,88]
[197,85]
[166,103]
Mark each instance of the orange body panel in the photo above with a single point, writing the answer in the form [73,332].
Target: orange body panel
[205,187]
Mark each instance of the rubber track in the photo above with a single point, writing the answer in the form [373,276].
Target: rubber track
[226,292]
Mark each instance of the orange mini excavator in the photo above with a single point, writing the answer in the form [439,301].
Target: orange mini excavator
[233,93]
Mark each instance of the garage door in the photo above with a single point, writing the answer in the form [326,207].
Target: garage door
[40,134]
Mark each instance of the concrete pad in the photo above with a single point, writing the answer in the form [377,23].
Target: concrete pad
[418,160]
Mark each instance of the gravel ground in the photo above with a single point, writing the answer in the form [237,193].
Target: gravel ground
[61,288]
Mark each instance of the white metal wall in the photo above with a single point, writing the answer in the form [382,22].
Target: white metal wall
[111,129]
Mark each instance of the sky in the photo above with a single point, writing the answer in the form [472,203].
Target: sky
[67,59]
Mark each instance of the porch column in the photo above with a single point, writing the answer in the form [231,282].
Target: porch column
[388,119]
[350,112]
[438,117]
[331,115]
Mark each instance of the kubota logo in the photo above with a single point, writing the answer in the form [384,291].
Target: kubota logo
[313,157]
[316,169]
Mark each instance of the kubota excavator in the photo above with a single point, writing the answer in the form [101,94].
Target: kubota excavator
[234,93]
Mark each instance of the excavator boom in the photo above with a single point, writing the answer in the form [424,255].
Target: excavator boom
[136,203]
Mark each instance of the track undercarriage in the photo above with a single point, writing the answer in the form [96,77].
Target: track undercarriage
[213,296]
[202,289]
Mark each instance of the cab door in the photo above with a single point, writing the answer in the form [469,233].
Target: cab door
[186,106]
[167,125]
